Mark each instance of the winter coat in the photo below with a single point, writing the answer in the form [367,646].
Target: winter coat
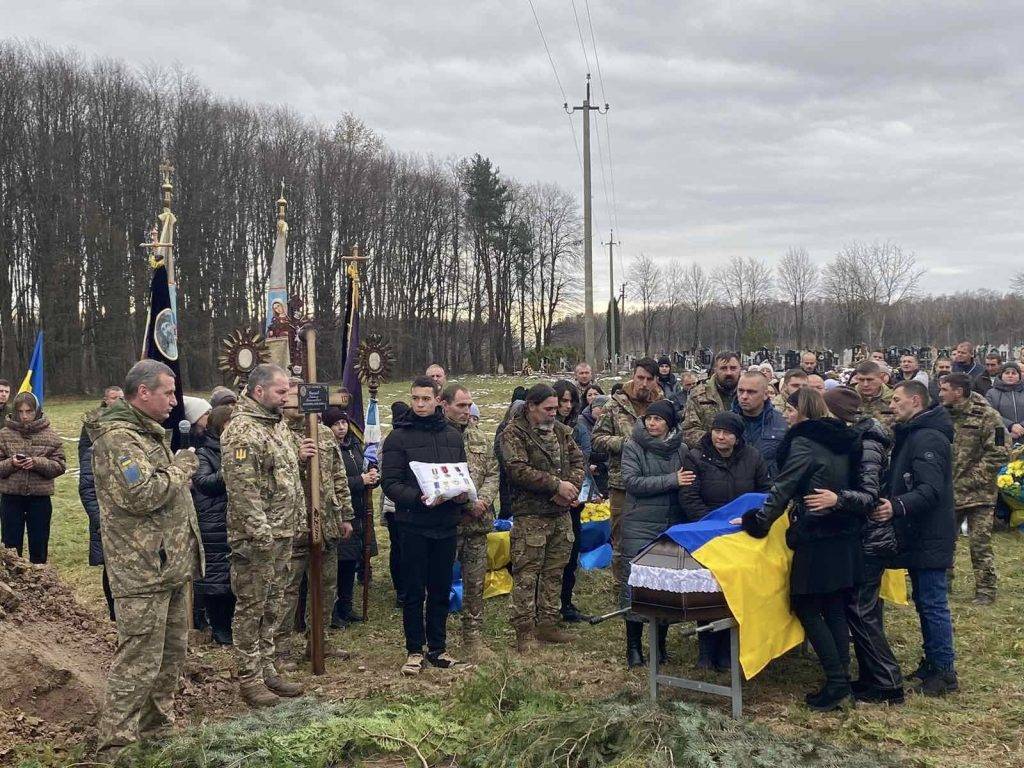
[720,480]
[87,490]
[972,369]
[352,547]
[920,487]
[818,453]
[1008,400]
[673,391]
[211,500]
[764,432]
[536,461]
[594,458]
[705,401]
[615,427]
[35,439]
[430,439]
[861,498]
[650,467]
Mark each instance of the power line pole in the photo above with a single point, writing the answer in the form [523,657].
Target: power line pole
[588,253]
[613,347]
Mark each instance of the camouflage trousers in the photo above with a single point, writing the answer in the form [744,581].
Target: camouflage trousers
[979,533]
[328,589]
[540,549]
[152,639]
[258,579]
[472,556]
[616,501]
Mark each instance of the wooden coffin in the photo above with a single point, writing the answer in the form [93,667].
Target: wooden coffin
[675,606]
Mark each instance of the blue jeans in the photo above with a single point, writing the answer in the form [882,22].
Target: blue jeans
[932,603]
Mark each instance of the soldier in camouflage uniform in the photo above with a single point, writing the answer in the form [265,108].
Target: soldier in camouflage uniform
[152,549]
[708,399]
[478,520]
[979,450]
[336,517]
[545,470]
[260,462]
[615,426]
[876,396]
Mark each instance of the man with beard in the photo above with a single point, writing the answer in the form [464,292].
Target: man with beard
[624,410]
[793,379]
[713,396]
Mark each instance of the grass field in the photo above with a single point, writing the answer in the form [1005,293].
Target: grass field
[585,689]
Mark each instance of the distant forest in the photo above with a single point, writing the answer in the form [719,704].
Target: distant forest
[467,266]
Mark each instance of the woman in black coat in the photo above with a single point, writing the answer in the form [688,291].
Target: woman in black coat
[350,550]
[211,500]
[818,453]
[724,468]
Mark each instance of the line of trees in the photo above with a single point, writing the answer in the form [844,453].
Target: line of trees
[458,252]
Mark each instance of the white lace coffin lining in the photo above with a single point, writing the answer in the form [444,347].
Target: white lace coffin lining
[673,580]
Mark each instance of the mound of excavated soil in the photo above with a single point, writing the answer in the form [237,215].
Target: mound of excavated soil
[54,655]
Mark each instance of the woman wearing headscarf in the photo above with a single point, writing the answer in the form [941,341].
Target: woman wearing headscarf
[652,473]
[724,468]
[31,457]
[818,453]
[350,550]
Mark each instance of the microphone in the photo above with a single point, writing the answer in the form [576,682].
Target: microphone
[184,429]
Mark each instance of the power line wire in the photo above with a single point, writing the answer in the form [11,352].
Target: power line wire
[579,29]
[607,128]
[558,80]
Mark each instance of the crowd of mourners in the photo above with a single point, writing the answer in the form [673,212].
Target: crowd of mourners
[875,468]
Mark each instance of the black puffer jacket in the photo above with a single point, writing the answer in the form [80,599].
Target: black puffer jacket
[352,547]
[429,439]
[878,539]
[920,488]
[211,500]
[87,494]
[720,480]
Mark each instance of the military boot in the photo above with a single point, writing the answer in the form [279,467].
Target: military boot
[283,662]
[330,652]
[473,647]
[551,633]
[282,687]
[526,641]
[256,694]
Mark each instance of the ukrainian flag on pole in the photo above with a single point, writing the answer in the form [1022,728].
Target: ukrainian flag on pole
[33,381]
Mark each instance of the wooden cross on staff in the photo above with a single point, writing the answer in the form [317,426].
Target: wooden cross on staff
[312,400]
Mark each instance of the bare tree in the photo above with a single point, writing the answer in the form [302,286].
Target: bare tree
[696,292]
[746,287]
[798,281]
[644,279]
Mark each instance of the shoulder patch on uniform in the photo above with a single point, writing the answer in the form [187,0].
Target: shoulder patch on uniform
[130,470]
[241,453]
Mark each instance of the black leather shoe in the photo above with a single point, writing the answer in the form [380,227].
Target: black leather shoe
[832,696]
[939,684]
[635,644]
[869,694]
[572,615]
[222,637]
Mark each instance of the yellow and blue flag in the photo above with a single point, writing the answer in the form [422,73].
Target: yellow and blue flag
[33,381]
[754,576]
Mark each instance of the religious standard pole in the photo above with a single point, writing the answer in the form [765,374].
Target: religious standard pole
[314,514]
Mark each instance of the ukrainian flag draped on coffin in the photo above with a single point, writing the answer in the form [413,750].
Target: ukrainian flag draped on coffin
[754,576]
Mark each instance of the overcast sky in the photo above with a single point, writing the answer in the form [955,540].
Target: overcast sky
[736,127]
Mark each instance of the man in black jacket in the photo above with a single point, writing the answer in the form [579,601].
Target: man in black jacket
[427,533]
[919,498]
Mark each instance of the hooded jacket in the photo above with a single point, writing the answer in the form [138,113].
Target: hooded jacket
[211,500]
[720,480]
[1008,399]
[650,467]
[920,487]
[150,532]
[615,427]
[429,439]
[764,432]
[35,439]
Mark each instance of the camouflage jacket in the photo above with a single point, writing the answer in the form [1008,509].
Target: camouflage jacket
[879,408]
[980,448]
[151,537]
[483,468]
[335,496]
[535,461]
[703,404]
[614,428]
[260,462]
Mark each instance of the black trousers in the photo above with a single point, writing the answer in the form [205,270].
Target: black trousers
[824,621]
[876,662]
[220,610]
[108,595]
[569,574]
[426,567]
[32,512]
[346,587]
[395,556]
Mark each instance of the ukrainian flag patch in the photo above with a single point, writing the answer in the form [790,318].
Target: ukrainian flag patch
[129,470]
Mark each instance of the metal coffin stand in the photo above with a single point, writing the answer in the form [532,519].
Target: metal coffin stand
[674,607]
